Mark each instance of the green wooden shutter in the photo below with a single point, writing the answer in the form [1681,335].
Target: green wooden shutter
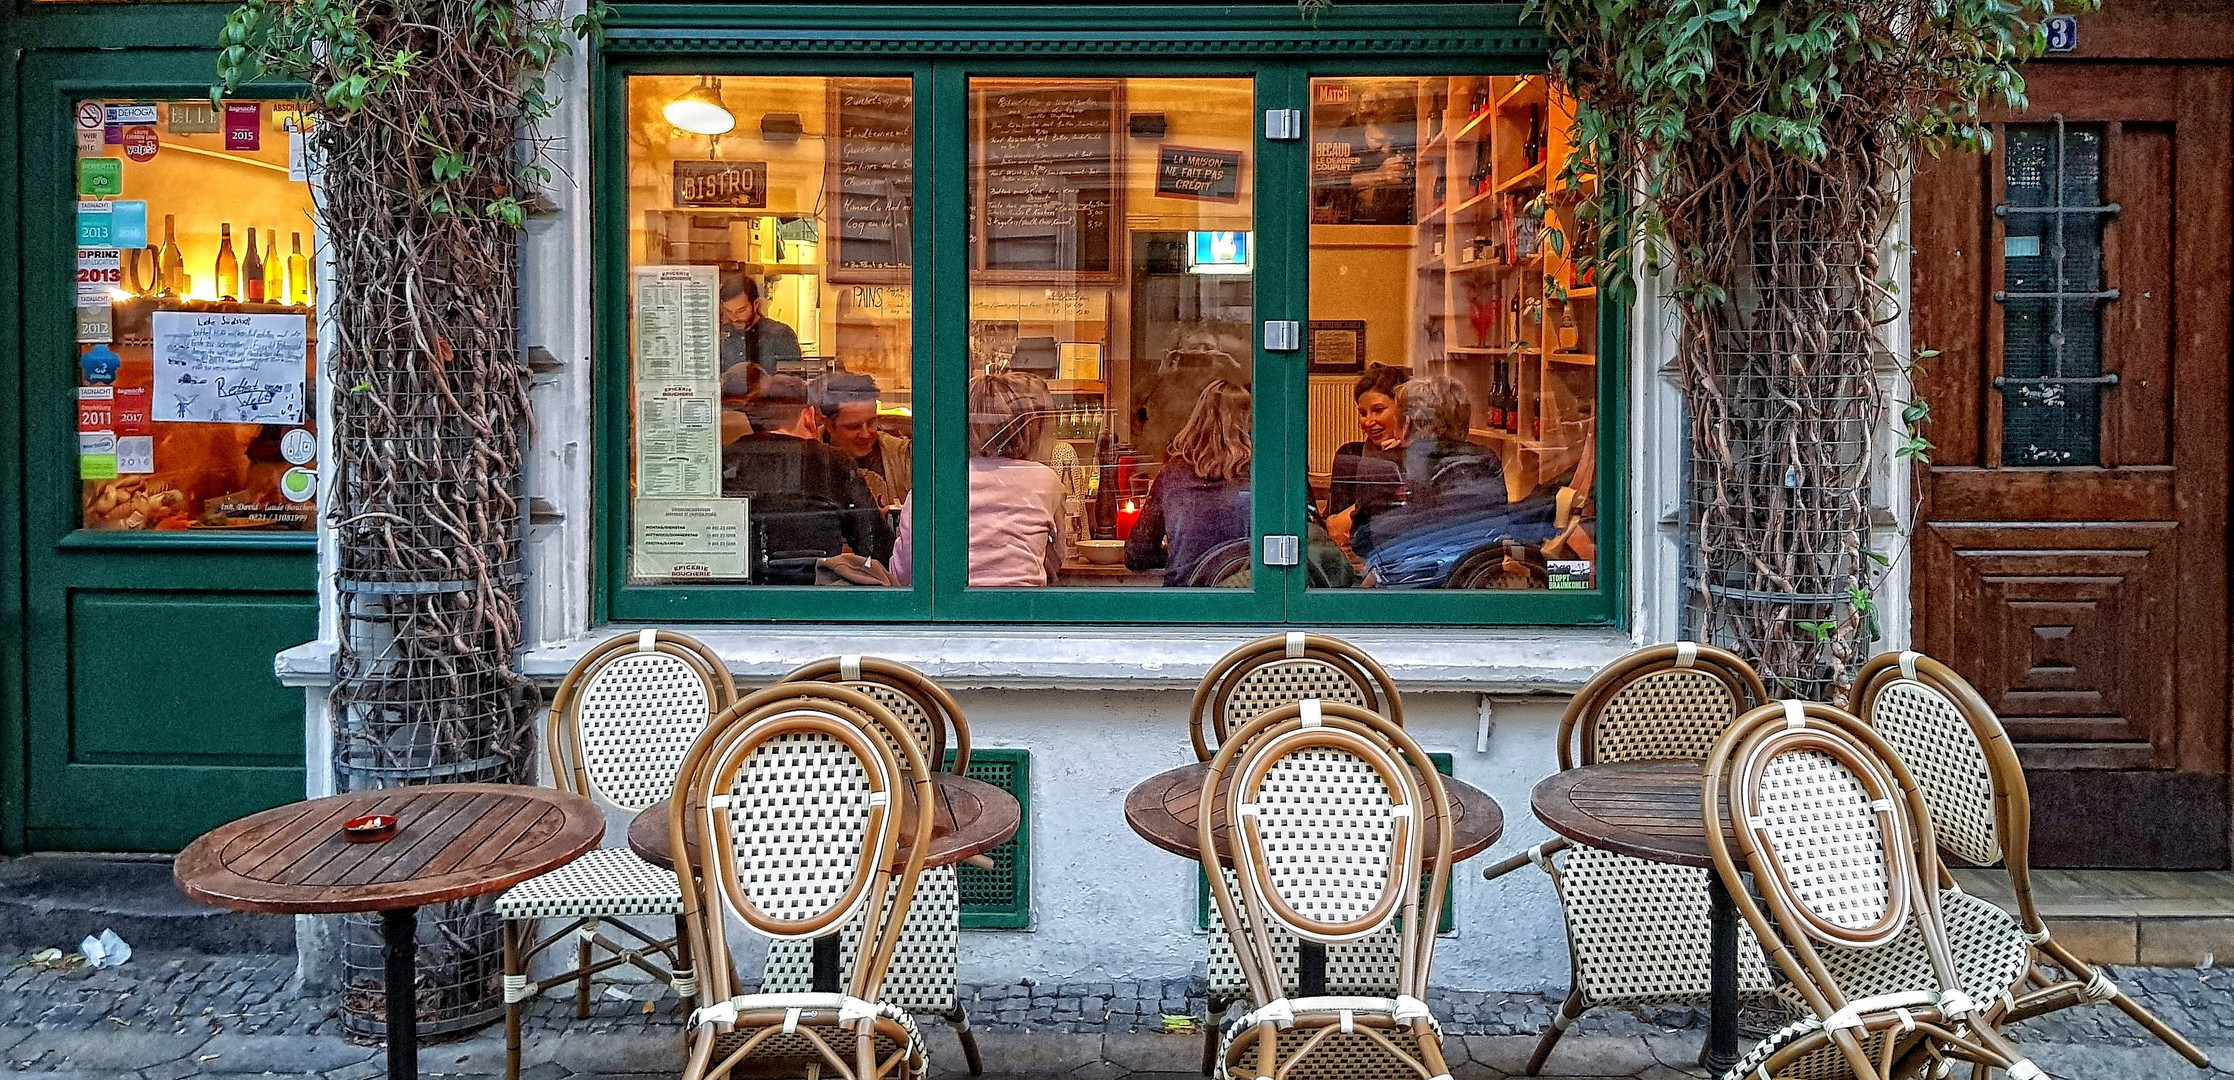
[1001,898]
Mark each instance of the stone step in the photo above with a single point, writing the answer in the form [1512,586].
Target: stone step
[2152,917]
[59,899]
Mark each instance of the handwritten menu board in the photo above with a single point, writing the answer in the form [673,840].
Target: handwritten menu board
[1050,176]
[873,181]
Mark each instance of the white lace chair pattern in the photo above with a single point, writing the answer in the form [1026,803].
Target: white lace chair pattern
[619,726]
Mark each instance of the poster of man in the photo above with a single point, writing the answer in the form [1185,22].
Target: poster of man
[1364,152]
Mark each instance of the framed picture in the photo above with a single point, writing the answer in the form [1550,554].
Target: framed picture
[1337,346]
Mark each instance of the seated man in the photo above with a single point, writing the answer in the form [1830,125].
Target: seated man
[849,422]
[808,501]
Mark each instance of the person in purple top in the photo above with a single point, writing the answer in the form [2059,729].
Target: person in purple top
[1201,499]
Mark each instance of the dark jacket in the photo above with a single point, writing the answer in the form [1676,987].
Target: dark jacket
[1365,475]
[1193,514]
[766,342]
[1441,478]
[808,502]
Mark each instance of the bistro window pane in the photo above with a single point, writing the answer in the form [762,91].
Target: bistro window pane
[1453,344]
[1112,256]
[196,355]
[771,341]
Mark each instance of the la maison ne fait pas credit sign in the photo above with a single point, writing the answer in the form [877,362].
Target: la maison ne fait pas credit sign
[738,185]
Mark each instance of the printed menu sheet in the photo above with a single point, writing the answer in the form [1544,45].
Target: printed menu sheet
[678,381]
[691,538]
[217,368]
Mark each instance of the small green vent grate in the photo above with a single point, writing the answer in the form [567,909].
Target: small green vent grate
[1001,898]
[1448,922]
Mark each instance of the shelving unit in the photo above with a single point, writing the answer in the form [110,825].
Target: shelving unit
[1510,321]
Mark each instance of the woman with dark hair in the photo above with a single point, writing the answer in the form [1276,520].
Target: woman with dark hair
[1369,473]
[1016,503]
[1445,471]
[1201,498]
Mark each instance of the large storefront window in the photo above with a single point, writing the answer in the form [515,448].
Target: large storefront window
[1130,337]
[196,338]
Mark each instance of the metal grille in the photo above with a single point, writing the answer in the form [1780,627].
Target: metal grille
[1000,898]
[2051,379]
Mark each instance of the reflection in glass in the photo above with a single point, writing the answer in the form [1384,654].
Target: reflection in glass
[1112,261]
[771,328]
[1453,385]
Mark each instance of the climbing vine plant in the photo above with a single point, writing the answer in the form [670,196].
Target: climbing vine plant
[1760,148]
[422,119]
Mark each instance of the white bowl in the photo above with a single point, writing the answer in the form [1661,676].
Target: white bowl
[1101,552]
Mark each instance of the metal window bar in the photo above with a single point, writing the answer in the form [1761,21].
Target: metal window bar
[2046,388]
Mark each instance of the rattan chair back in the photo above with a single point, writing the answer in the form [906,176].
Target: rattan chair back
[1659,702]
[628,712]
[1948,736]
[929,712]
[1837,837]
[1281,669]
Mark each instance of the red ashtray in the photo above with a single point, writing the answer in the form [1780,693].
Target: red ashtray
[369,828]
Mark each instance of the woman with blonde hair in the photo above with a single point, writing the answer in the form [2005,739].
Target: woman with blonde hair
[1201,499]
[1016,503]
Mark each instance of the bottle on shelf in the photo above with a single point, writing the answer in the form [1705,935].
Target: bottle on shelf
[1532,150]
[228,264]
[275,282]
[1493,411]
[252,271]
[173,276]
[298,272]
[1512,404]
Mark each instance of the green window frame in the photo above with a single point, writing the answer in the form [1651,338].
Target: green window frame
[940,50]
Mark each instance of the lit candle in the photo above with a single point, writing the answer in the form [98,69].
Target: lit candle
[1128,515]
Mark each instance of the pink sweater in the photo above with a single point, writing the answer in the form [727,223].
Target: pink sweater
[1016,525]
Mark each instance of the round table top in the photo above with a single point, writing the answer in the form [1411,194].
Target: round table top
[970,817]
[1649,809]
[1165,810]
[451,841]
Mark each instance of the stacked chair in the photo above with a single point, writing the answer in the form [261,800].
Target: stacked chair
[1637,930]
[1262,675]
[1835,837]
[922,977]
[813,802]
[1980,813]
[1336,821]
[620,726]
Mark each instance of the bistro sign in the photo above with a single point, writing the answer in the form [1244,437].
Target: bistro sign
[741,185]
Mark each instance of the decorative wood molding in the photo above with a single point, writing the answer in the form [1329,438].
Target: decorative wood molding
[1508,42]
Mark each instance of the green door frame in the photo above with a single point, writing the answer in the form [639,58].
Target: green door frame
[62,802]
[941,49]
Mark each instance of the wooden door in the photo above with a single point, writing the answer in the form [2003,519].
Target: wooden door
[2071,537]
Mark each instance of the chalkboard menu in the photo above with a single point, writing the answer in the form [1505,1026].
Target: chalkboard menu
[1050,179]
[873,181]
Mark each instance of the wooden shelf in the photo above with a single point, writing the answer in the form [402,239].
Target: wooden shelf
[1478,350]
[1493,434]
[1575,358]
[1532,176]
[1528,91]
[1478,264]
[1586,292]
[1077,386]
[1466,130]
[1473,202]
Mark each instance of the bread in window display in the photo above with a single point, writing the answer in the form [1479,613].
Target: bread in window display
[133,503]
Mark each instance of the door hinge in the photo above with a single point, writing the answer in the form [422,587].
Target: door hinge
[1282,335]
[1283,125]
[1283,550]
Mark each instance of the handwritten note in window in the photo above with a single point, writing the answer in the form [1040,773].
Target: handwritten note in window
[214,368]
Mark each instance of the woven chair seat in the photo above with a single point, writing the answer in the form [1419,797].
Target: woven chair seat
[1990,951]
[922,976]
[603,882]
[1639,931]
[1341,1057]
[785,1049]
[1352,967]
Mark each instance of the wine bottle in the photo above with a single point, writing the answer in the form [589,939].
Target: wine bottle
[1494,408]
[1532,151]
[252,271]
[228,264]
[275,283]
[173,279]
[298,272]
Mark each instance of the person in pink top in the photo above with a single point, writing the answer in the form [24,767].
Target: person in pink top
[1016,503]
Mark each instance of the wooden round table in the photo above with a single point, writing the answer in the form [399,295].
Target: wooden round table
[1165,809]
[969,817]
[451,841]
[1652,810]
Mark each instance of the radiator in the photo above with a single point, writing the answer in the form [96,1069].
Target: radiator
[1333,422]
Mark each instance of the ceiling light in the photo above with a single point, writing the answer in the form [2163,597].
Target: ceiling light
[700,111]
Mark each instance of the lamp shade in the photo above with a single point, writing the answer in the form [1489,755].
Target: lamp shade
[700,112]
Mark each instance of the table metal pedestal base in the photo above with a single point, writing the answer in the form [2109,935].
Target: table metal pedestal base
[399,947]
[1722,1007]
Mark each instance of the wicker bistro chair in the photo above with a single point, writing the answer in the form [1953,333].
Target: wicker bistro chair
[1899,978]
[1637,930]
[1330,808]
[1262,675]
[1981,813]
[620,725]
[815,806]
[923,978]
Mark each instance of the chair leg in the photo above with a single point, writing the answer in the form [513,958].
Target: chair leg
[582,962]
[511,1005]
[1568,1011]
[1217,1010]
[2161,1030]
[959,1020]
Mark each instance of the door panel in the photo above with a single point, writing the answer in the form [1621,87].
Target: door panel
[2070,546]
[179,671]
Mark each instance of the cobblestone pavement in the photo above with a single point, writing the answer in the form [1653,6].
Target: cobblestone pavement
[171,1017]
